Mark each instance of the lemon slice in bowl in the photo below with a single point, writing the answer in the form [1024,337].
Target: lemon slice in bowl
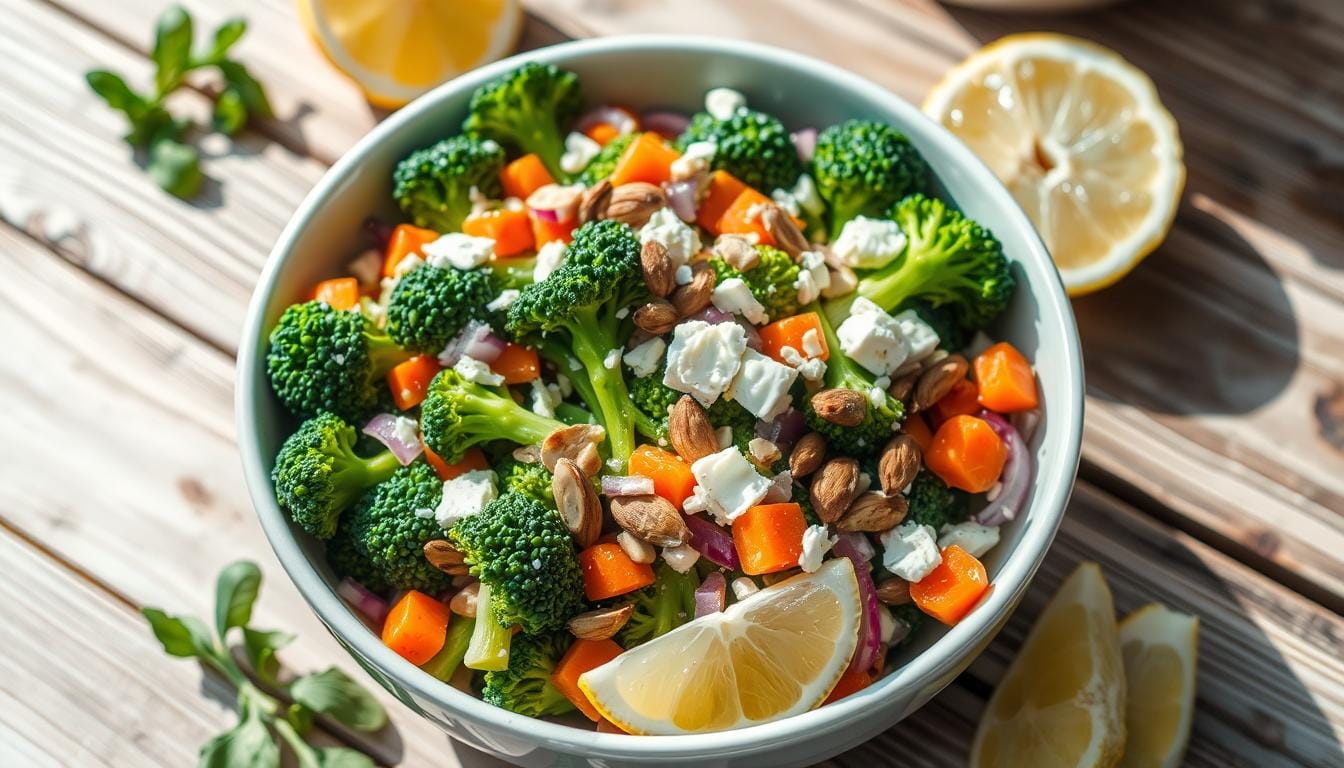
[397,51]
[1159,647]
[1061,703]
[774,654]
[1080,138]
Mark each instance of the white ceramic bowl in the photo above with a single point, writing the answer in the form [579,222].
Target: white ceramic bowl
[673,72]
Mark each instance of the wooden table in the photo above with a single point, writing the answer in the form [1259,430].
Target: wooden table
[1213,469]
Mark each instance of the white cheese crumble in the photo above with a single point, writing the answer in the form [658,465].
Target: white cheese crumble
[805,192]
[612,359]
[694,161]
[503,300]
[910,551]
[872,338]
[703,359]
[723,103]
[724,436]
[681,558]
[971,536]
[762,385]
[744,587]
[786,201]
[918,334]
[781,488]
[409,263]
[817,541]
[464,495]
[763,451]
[697,502]
[665,227]
[643,359]
[812,343]
[543,399]
[406,430]
[728,484]
[734,297]
[549,258]
[478,372]
[458,250]
[579,152]
[810,368]
[684,274]
[867,243]
[622,313]
[813,277]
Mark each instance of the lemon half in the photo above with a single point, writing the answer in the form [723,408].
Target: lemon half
[1159,647]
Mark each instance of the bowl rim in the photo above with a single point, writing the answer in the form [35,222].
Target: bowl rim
[935,666]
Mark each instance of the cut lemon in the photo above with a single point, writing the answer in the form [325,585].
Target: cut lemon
[396,51]
[774,654]
[1159,647]
[1080,138]
[1061,703]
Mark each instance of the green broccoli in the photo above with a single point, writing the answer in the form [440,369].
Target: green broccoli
[457,414]
[449,657]
[909,615]
[862,167]
[879,421]
[661,607]
[949,261]
[434,185]
[771,282]
[933,503]
[318,475]
[389,527]
[652,397]
[323,359]
[752,146]
[528,110]
[528,479]
[604,163]
[431,305]
[577,305]
[348,561]
[525,685]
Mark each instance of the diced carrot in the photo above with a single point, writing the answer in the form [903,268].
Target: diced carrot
[723,189]
[671,475]
[769,537]
[789,332]
[916,427]
[742,217]
[952,589]
[853,681]
[517,364]
[602,133]
[524,176]
[416,627]
[510,228]
[406,241]
[544,231]
[967,454]
[582,656]
[608,572]
[338,292]
[648,159]
[1006,380]
[471,459]
[409,381]
[960,400]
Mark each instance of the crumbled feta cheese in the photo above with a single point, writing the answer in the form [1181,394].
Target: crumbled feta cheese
[817,541]
[918,334]
[703,359]
[813,277]
[406,430]
[805,193]
[812,346]
[724,436]
[784,198]
[877,396]
[681,558]
[564,384]
[910,551]
[882,382]
[886,624]
[684,274]
[665,227]
[762,385]
[865,482]
[728,484]
[579,152]
[810,368]
[503,300]
[744,587]
[543,399]
[694,160]
[479,202]
[643,359]
[458,250]
[723,103]
[409,263]
[733,296]
[971,536]
[872,338]
[763,451]
[622,313]
[697,502]
[867,243]
[464,495]
[612,359]
[549,258]
[424,513]
[475,371]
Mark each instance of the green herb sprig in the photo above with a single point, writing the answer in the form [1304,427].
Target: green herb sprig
[172,163]
[252,743]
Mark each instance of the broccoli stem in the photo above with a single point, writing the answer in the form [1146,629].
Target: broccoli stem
[840,369]
[487,414]
[490,640]
[357,474]
[384,355]
[572,414]
[449,658]
[591,343]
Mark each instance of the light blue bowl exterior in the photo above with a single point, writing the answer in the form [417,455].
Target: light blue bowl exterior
[675,72]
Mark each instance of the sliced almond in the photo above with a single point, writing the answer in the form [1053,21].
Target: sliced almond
[902,386]
[786,234]
[842,407]
[808,453]
[528,454]
[593,202]
[834,488]
[656,317]
[695,295]
[764,452]
[600,624]
[650,518]
[635,202]
[689,430]
[893,591]
[578,442]
[937,380]
[899,463]
[872,512]
[637,550]
[660,274]
[464,602]
[443,555]
[843,282]
[737,251]
[577,501]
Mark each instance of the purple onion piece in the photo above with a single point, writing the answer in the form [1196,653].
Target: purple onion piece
[554,204]
[712,315]
[870,629]
[665,123]
[783,430]
[805,141]
[1026,422]
[681,196]
[626,485]
[473,334]
[860,544]
[383,428]
[1015,480]
[359,597]
[378,231]
[367,268]
[712,542]
[710,596]
[754,340]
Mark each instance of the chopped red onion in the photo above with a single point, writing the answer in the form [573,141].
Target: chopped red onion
[406,447]
[870,630]
[682,196]
[805,141]
[1026,422]
[358,596]
[1015,478]
[712,542]
[486,347]
[785,429]
[710,596]
[626,485]
[617,118]
[554,204]
[665,123]
[367,268]
[379,232]
[475,340]
[712,315]
[861,545]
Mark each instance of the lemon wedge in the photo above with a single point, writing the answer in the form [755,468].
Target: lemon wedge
[1159,647]
[1061,703]
[396,51]
[774,654]
[1080,138]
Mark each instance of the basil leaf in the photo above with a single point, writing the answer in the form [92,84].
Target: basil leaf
[183,636]
[342,757]
[172,48]
[175,167]
[237,586]
[112,89]
[226,36]
[247,86]
[247,745]
[336,694]
[260,647]
[230,114]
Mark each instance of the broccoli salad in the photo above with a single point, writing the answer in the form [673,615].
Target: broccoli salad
[618,372]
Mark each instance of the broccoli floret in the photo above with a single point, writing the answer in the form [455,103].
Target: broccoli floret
[430,305]
[949,261]
[577,306]
[457,414]
[862,167]
[771,282]
[661,607]
[347,560]
[909,615]
[323,359]
[604,162]
[528,110]
[525,685]
[528,479]
[388,529]
[952,336]
[880,420]
[318,475]
[934,503]
[752,146]
[652,397]
[433,185]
